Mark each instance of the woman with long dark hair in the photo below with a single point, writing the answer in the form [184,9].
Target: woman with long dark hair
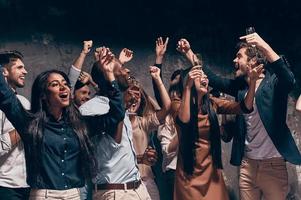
[198,173]
[58,152]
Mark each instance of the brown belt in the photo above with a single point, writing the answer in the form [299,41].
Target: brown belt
[118,186]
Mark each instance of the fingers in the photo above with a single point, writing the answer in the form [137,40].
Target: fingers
[128,53]
[105,55]
[151,154]
[159,41]
[87,45]
[252,38]
[259,69]
[153,69]
[166,41]
[183,45]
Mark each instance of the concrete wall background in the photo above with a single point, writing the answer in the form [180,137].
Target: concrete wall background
[43,52]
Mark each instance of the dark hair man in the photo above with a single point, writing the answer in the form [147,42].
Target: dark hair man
[12,159]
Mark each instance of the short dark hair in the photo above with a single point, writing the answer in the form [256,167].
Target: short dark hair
[78,85]
[252,52]
[5,56]
[175,74]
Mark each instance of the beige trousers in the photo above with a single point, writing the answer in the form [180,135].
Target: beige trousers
[267,178]
[41,194]
[152,188]
[138,194]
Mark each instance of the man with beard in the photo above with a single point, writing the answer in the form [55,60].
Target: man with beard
[262,142]
[117,170]
[82,92]
[13,184]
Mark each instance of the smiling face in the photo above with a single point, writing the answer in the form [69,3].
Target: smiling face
[15,73]
[241,62]
[122,75]
[132,98]
[201,84]
[82,95]
[58,92]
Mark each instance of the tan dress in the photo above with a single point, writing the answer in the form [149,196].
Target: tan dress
[206,182]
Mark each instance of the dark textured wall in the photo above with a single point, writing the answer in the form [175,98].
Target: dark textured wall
[43,52]
[49,33]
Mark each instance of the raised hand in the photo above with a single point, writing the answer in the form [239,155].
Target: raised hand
[253,74]
[106,63]
[96,53]
[161,46]
[85,77]
[254,39]
[155,72]
[125,55]
[194,74]
[183,46]
[87,45]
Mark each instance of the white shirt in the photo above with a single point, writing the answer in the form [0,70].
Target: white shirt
[166,133]
[12,159]
[117,163]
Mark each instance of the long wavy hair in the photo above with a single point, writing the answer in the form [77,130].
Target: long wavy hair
[190,135]
[39,110]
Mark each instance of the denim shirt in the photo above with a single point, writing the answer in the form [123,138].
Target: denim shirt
[60,161]
[117,163]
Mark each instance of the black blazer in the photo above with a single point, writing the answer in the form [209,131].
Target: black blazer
[271,101]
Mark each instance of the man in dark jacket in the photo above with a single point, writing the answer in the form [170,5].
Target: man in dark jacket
[263,142]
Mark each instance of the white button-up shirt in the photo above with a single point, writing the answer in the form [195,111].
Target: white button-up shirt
[12,158]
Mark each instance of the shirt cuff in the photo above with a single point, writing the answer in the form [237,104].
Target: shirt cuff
[5,142]
[112,88]
[75,68]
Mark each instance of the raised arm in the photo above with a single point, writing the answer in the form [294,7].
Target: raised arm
[225,85]
[161,114]
[278,64]
[184,110]
[13,109]
[246,106]
[111,121]
[79,61]
[77,65]
[86,79]
[125,56]
[160,52]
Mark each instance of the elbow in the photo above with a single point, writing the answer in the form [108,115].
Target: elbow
[298,108]
[291,83]
[121,115]
[183,118]
[246,108]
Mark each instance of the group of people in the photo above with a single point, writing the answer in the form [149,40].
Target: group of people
[66,144]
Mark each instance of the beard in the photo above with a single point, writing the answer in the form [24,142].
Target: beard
[15,84]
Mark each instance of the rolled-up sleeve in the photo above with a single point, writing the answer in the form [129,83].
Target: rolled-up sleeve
[5,146]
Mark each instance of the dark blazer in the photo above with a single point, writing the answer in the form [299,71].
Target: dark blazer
[271,101]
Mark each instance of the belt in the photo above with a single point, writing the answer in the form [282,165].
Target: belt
[118,186]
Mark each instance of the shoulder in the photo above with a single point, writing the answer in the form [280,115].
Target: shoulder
[98,105]
[24,101]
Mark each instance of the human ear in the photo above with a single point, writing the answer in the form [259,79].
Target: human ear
[5,72]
